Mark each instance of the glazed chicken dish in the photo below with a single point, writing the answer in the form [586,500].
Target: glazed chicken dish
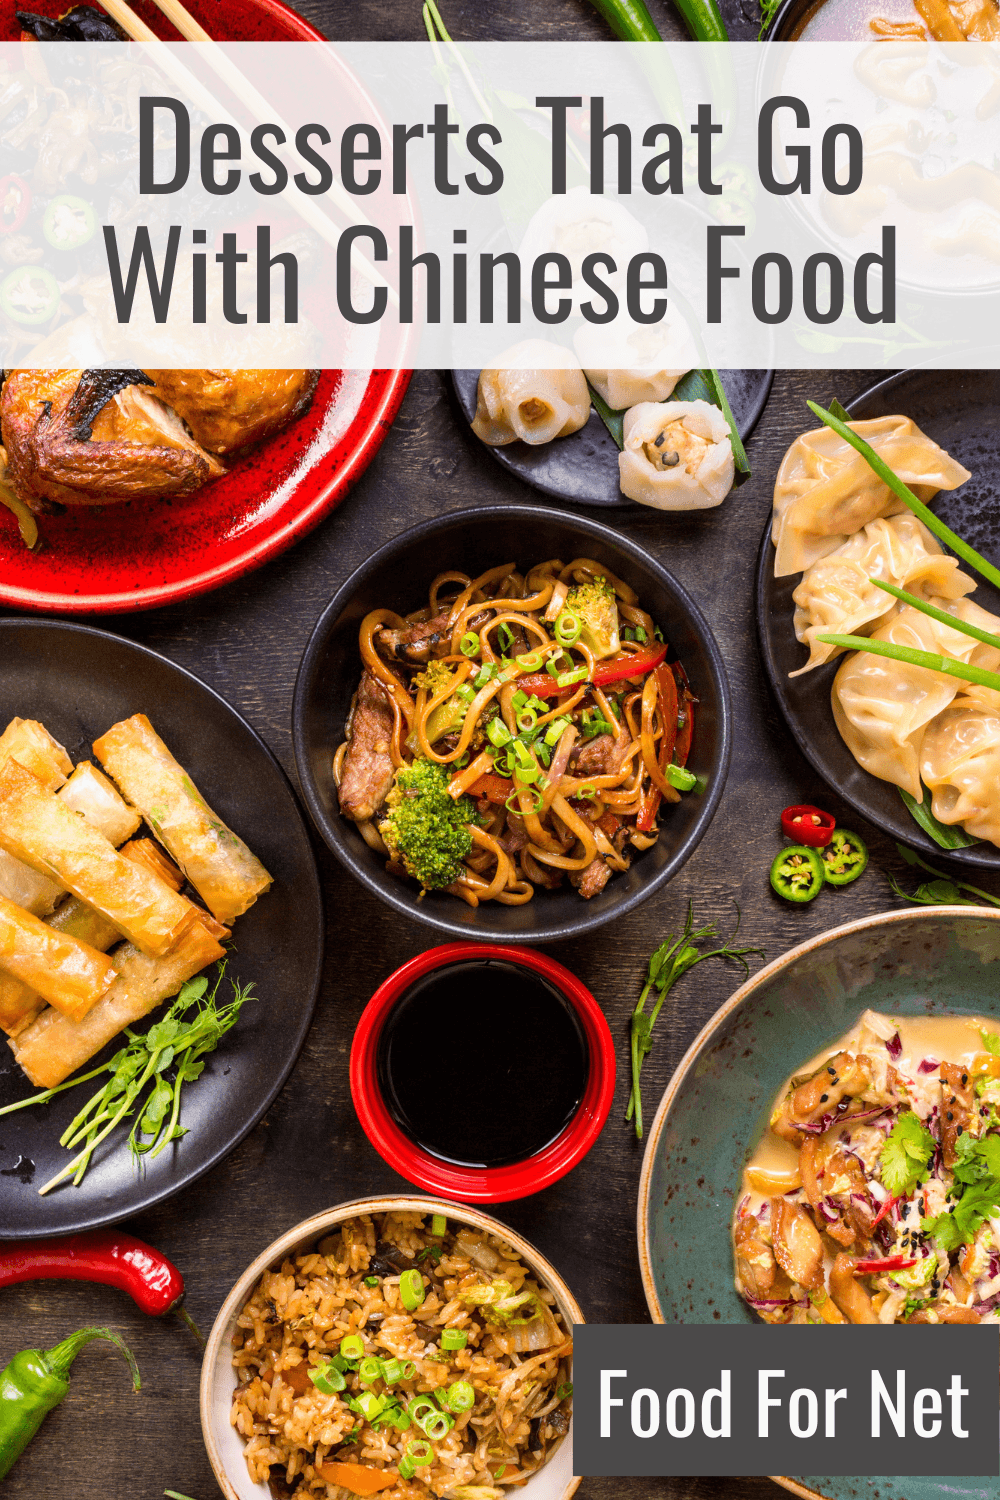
[874,1194]
[92,437]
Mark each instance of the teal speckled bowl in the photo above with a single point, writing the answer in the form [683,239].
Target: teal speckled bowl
[923,961]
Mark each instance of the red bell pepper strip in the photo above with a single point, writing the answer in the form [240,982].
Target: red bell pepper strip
[15,202]
[685,734]
[494,788]
[888,1263]
[107,1256]
[805,824]
[635,664]
[666,686]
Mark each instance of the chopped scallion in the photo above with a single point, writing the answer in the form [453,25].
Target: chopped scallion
[353,1346]
[439,1224]
[470,644]
[411,1290]
[454,1338]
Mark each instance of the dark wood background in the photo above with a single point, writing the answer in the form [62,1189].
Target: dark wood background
[309,1152]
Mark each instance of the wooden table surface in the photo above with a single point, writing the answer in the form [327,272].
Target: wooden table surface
[309,1152]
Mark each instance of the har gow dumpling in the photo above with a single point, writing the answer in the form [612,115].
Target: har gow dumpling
[883,707]
[678,455]
[825,491]
[837,597]
[624,365]
[534,391]
[960,763]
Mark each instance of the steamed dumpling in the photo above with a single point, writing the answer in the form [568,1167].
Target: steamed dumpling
[883,707]
[825,491]
[678,455]
[534,391]
[960,763]
[836,596]
[623,365]
[577,224]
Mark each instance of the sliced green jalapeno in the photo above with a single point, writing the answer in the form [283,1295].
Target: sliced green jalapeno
[845,857]
[797,873]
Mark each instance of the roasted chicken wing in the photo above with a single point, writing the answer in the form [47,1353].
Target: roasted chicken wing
[89,437]
[230,409]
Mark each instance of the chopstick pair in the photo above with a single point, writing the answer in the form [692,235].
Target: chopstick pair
[193,31]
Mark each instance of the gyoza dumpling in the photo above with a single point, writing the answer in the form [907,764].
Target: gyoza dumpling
[960,762]
[623,364]
[836,596]
[534,391]
[678,455]
[883,707]
[825,491]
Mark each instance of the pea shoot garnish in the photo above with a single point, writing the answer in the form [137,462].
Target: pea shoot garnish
[672,959]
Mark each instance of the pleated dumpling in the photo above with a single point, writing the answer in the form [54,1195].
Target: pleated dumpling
[825,491]
[626,365]
[836,596]
[534,391]
[678,455]
[960,763]
[883,707]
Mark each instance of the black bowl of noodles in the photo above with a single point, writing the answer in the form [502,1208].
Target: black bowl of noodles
[398,578]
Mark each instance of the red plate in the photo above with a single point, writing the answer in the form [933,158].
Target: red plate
[141,553]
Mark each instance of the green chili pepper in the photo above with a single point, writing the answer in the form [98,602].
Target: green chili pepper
[845,857]
[35,1382]
[68,222]
[797,873]
[630,20]
[29,295]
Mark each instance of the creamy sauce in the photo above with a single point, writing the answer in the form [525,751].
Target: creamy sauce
[773,1167]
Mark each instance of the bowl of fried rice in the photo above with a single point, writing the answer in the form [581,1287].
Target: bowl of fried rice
[401,1346]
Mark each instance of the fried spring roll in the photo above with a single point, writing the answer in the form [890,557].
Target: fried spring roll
[31,745]
[88,791]
[36,827]
[25,887]
[19,1004]
[223,871]
[53,1046]
[69,974]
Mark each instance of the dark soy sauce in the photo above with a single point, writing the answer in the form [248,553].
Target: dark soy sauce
[482,1063]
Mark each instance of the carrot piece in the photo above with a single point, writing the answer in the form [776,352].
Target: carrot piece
[357,1478]
[494,788]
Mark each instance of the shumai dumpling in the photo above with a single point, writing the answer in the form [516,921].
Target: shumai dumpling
[624,364]
[678,455]
[534,391]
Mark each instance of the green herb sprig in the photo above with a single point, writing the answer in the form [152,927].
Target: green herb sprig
[977,1172]
[943,890]
[172,1053]
[672,959]
[904,1158]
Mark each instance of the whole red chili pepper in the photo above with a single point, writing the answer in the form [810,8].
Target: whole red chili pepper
[805,824]
[107,1256]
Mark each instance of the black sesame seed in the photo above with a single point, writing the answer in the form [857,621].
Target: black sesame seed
[832,1072]
[949,1116]
[659,440]
[823,1098]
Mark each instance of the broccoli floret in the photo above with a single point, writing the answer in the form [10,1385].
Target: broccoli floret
[425,828]
[435,677]
[597,609]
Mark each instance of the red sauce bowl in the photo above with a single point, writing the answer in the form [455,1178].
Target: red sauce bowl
[492,1184]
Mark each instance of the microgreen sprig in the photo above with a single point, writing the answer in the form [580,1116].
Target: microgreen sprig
[672,959]
[171,1054]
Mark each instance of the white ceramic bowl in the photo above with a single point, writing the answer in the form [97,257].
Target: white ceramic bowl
[218,1380]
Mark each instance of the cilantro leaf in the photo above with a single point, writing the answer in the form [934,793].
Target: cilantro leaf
[991,1042]
[904,1157]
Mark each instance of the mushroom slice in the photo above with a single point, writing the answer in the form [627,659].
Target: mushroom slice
[798,1248]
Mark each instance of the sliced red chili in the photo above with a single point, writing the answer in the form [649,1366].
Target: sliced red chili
[805,824]
[886,1208]
[15,202]
[888,1263]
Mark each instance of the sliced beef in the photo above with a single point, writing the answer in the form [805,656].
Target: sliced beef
[368,769]
[603,756]
[593,879]
[416,643]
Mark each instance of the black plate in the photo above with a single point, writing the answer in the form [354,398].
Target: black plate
[584,467]
[79,682]
[960,409]
[397,577]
